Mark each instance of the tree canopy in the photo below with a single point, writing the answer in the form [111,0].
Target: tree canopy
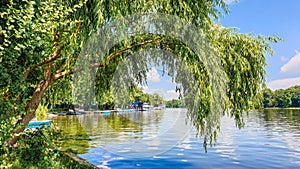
[174,103]
[40,41]
[282,98]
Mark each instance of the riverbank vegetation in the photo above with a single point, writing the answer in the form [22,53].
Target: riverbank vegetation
[39,149]
[174,103]
[282,98]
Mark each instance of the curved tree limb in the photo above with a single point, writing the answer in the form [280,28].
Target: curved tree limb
[52,58]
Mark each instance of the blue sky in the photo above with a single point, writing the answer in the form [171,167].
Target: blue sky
[272,17]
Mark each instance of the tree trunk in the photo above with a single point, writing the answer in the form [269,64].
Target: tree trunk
[31,107]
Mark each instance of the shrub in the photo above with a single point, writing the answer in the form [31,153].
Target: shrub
[38,149]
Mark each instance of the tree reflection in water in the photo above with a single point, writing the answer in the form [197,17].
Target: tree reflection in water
[93,130]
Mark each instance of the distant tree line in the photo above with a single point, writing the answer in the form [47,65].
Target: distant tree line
[282,98]
[174,103]
[137,94]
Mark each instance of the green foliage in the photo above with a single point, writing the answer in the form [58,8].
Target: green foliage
[295,96]
[269,100]
[103,92]
[156,99]
[38,149]
[174,103]
[137,94]
[107,99]
[243,58]
[41,112]
[58,92]
[282,98]
[27,38]
[37,146]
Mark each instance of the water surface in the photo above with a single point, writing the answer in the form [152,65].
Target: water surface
[269,139]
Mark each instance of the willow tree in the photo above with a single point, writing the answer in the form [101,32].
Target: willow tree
[40,41]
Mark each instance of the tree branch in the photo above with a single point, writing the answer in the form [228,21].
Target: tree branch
[53,57]
[62,67]
[56,38]
[77,28]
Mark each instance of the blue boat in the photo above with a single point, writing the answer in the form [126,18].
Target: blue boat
[106,112]
[137,106]
[39,124]
[140,106]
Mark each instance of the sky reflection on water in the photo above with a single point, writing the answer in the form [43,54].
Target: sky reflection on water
[270,139]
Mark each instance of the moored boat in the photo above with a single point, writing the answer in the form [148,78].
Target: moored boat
[39,124]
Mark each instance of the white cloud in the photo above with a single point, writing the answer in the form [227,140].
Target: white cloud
[153,75]
[283,83]
[171,94]
[293,65]
[230,1]
[284,59]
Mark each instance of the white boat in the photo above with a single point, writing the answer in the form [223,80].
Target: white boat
[146,106]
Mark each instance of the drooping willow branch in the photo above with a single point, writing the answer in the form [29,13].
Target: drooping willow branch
[111,57]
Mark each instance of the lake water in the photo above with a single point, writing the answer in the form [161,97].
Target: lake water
[163,139]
